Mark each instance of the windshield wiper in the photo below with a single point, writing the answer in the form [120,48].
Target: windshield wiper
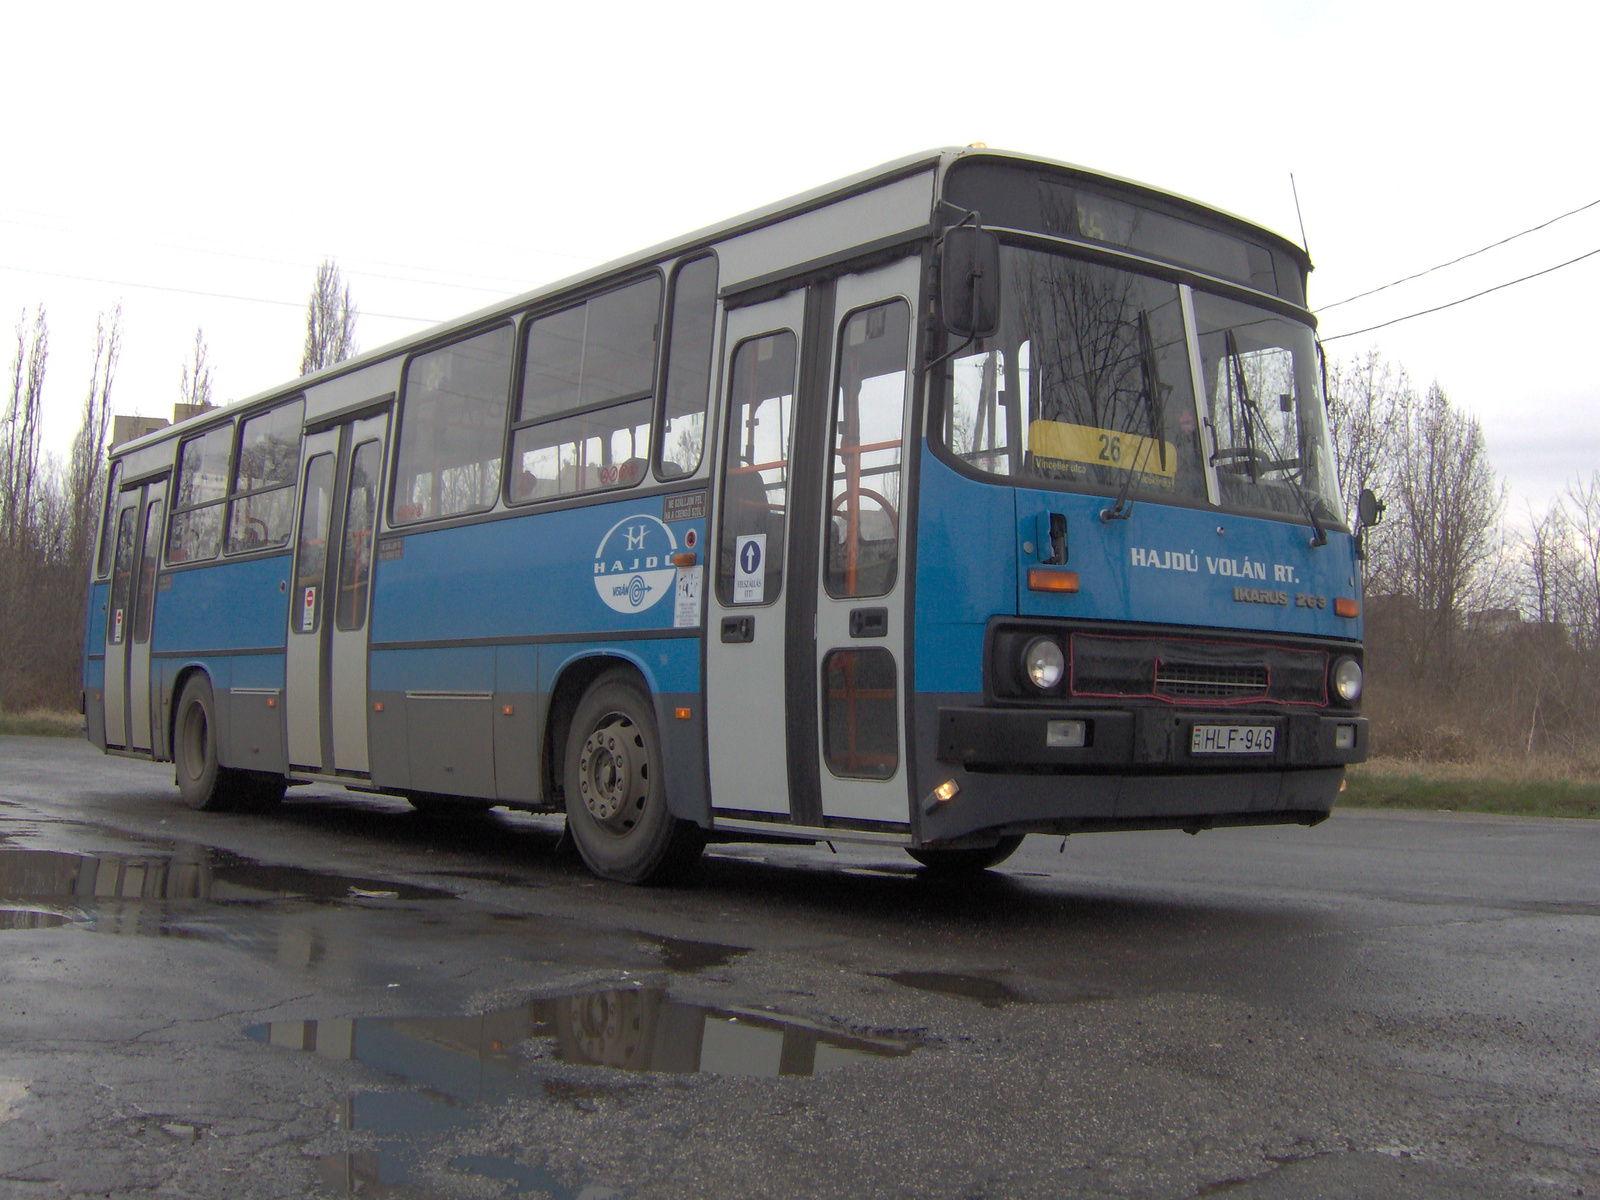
[1249,414]
[1155,417]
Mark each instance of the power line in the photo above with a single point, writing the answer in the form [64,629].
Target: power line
[1439,307]
[1535,229]
[156,287]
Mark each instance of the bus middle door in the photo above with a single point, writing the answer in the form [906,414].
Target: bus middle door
[130,615]
[325,692]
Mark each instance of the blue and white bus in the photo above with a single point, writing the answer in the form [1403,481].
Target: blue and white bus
[972,496]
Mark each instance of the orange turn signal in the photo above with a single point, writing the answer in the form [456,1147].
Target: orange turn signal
[507,710]
[685,560]
[1042,579]
[377,706]
[681,713]
[1346,607]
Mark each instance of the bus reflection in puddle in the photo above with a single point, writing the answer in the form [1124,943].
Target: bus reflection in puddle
[186,873]
[453,1064]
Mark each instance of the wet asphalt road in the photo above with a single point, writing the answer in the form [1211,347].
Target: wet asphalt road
[343,998]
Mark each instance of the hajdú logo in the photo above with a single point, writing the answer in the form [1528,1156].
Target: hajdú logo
[633,564]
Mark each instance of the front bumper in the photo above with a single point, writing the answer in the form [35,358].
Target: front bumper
[982,739]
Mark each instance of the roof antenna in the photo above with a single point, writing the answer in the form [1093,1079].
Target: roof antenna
[1304,245]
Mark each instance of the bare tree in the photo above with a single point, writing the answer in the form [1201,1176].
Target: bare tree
[1450,507]
[1544,561]
[1368,405]
[85,477]
[1582,576]
[330,321]
[197,374]
[19,445]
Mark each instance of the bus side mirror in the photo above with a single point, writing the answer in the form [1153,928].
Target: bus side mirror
[970,291]
[1368,509]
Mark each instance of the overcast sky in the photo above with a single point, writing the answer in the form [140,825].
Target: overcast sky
[448,156]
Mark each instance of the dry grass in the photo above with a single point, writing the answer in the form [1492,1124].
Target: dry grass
[1541,786]
[41,722]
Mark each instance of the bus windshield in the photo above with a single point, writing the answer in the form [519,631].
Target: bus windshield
[1087,384]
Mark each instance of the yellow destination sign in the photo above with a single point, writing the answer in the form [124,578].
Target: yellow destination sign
[1061,442]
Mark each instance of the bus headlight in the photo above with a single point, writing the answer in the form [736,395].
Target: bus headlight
[1347,680]
[1043,663]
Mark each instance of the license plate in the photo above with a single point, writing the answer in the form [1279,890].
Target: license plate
[1233,739]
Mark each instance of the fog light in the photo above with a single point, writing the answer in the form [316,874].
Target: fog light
[1065,735]
[1043,663]
[940,795]
[1347,679]
[1344,737]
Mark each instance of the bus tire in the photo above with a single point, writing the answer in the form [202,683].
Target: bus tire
[967,860]
[204,784]
[615,788]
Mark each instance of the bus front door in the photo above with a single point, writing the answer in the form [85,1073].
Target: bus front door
[325,685]
[857,583]
[747,612]
[130,615]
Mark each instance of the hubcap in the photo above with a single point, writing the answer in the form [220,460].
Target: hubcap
[614,773]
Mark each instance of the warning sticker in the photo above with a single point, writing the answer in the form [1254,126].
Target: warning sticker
[308,610]
[690,506]
[750,569]
[686,608]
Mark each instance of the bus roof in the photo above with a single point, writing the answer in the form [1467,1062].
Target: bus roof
[939,160]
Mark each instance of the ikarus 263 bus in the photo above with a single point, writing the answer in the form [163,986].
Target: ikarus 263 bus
[969,497]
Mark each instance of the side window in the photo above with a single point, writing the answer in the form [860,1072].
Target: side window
[144,603]
[196,532]
[452,428]
[588,387]
[860,713]
[360,522]
[261,512]
[688,381]
[107,522]
[311,555]
[121,577]
[868,420]
[755,494]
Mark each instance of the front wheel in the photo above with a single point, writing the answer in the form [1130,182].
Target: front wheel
[969,860]
[616,795]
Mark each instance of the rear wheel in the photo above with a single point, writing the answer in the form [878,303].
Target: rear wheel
[203,783]
[616,796]
[968,860]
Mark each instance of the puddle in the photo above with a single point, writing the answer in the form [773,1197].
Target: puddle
[479,1059]
[686,957]
[991,993]
[30,918]
[454,1067]
[190,874]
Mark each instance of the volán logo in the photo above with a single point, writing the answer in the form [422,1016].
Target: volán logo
[633,567]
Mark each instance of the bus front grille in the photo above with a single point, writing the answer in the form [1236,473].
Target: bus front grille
[1210,681]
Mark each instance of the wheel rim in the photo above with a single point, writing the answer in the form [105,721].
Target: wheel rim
[195,733]
[614,773]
